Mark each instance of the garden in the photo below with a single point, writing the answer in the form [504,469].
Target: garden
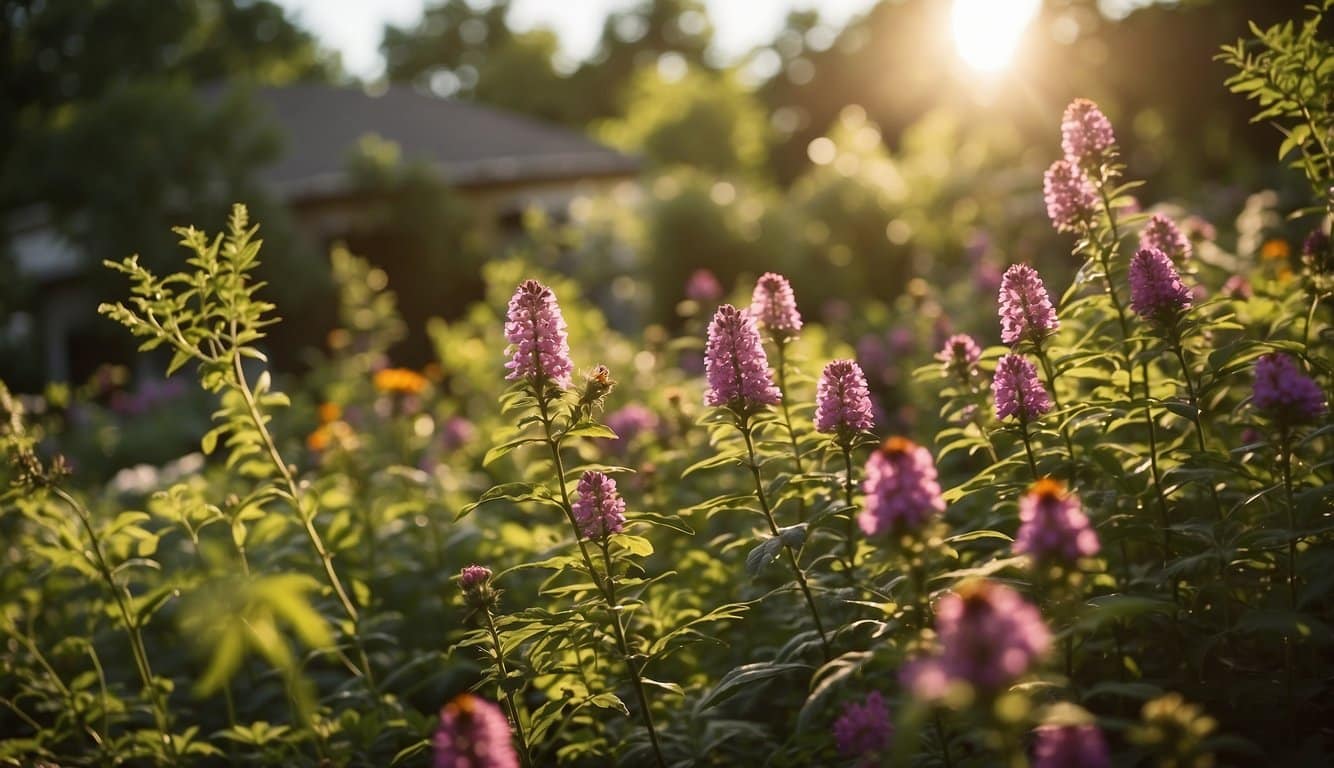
[1067,509]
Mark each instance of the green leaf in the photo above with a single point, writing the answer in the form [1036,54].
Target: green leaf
[763,554]
[635,545]
[746,675]
[589,429]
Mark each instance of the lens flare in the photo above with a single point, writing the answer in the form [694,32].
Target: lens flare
[987,32]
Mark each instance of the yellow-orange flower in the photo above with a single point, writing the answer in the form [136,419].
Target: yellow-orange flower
[399,381]
[330,412]
[1275,250]
[319,440]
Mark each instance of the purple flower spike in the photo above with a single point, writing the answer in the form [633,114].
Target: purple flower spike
[599,509]
[1018,391]
[473,733]
[989,637]
[775,306]
[1156,290]
[1025,308]
[1284,393]
[1086,134]
[735,365]
[960,356]
[1053,526]
[901,488]
[473,576]
[1069,746]
[842,400]
[1162,233]
[1070,196]
[703,286]
[535,330]
[863,729]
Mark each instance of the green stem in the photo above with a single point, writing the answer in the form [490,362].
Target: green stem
[1193,394]
[1285,466]
[137,647]
[773,528]
[944,741]
[1028,449]
[851,538]
[636,672]
[1050,372]
[781,345]
[506,694]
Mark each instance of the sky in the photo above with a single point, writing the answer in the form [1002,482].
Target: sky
[354,27]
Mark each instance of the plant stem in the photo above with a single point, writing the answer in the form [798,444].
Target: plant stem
[944,741]
[1028,449]
[137,647]
[636,672]
[773,528]
[781,345]
[1285,466]
[1192,393]
[505,693]
[1050,371]
[851,538]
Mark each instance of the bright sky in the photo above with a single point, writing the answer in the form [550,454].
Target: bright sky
[354,27]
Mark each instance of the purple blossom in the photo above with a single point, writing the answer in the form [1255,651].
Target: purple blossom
[473,733]
[1156,290]
[735,365]
[1315,248]
[599,509]
[1053,526]
[960,356]
[473,576]
[703,286]
[1238,287]
[775,306]
[989,637]
[863,729]
[1162,233]
[842,400]
[1018,391]
[1069,746]
[1086,134]
[535,330]
[628,423]
[1284,393]
[1070,196]
[1025,308]
[901,488]
[456,433]
[1199,229]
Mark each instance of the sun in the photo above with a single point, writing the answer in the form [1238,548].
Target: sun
[986,32]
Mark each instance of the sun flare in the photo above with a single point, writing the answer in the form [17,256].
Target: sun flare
[987,32]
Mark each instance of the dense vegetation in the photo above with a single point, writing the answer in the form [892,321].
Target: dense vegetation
[850,535]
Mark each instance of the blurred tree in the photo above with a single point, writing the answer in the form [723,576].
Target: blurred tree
[692,117]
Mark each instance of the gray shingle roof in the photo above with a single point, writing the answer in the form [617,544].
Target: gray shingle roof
[469,143]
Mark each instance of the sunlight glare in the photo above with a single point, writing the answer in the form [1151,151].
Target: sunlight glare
[987,32]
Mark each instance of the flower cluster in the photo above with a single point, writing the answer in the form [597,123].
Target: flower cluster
[1053,526]
[1161,233]
[1284,393]
[1086,134]
[735,365]
[473,733]
[1069,746]
[842,400]
[599,509]
[1026,312]
[902,491]
[960,356]
[398,381]
[989,637]
[1156,290]
[629,423]
[1069,195]
[535,329]
[863,728]
[775,306]
[703,286]
[1018,391]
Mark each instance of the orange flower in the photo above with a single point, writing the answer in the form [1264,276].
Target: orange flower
[399,381]
[1275,249]
[319,440]
[330,412]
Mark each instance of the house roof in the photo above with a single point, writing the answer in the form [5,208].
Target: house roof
[471,144]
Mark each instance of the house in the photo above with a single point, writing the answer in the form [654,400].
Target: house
[501,163]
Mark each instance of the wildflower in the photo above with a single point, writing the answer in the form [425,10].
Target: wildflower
[535,329]
[989,637]
[735,364]
[1069,746]
[863,728]
[1238,287]
[1284,393]
[1315,250]
[702,286]
[1025,308]
[320,439]
[1156,290]
[473,733]
[398,381]
[473,576]
[842,400]
[1086,134]
[1275,249]
[901,488]
[1175,730]
[456,432]
[1070,196]
[599,509]
[1198,229]
[1162,233]
[960,355]
[1053,526]
[330,412]
[1018,391]
[775,306]
[630,422]
[597,385]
